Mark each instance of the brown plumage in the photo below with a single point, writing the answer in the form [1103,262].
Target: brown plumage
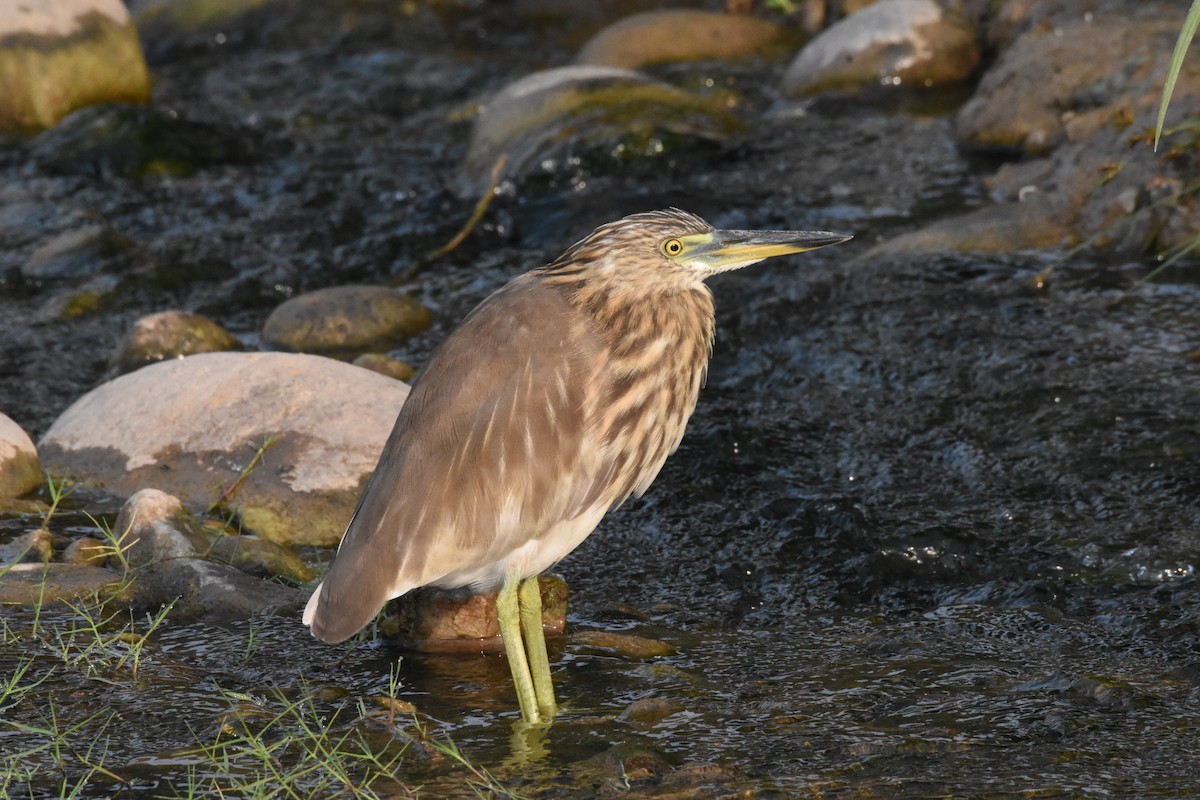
[556,399]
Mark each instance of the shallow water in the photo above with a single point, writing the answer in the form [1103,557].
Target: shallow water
[932,531]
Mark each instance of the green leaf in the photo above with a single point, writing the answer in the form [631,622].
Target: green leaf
[1181,45]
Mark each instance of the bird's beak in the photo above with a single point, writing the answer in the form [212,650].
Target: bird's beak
[724,250]
[730,250]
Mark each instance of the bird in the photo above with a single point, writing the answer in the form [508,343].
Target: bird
[556,399]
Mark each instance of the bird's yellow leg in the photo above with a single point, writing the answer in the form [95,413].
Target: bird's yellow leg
[509,615]
[530,595]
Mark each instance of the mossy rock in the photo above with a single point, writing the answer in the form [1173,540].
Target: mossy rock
[61,56]
[547,115]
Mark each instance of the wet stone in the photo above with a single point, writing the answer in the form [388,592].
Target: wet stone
[624,645]
[75,254]
[260,557]
[209,590]
[544,116]
[677,35]
[170,334]
[446,621]
[912,43]
[650,710]
[20,469]
[144,141]
[37,546]
[56,57]
[345,319]
[80,298]
[628,762]
[153,526]
[33,584]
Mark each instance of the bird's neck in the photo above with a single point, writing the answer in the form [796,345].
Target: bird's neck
[672,319]
[657,341]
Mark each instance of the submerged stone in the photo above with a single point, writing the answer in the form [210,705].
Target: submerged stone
[625,645]
[650,710]
[284,441]
[170,334]
[545,116]
[452,621]
[344,319]
[75,253]
[654,37]
[144,141]
[20,469]
[911,43]
[60,56]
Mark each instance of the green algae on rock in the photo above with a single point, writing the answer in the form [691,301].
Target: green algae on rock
[345,320]
[550,114]
[170,334]
[57,57]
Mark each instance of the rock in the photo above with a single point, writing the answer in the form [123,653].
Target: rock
[913,43]
[385,365]
[654,37]
[169,550]
[36,584]
[1083,124]
[260,557]
[1050,75]
[144,141]
[207,590]
[441,621]
[20,469]
[37,546]
[79,298]
[170,334]
[75,254]
[86,550]
[545,116]
[153,526]
[650,710]
[634,648]
[625,763]
[59,56]
[1036,224]
[345,319]
[191,426]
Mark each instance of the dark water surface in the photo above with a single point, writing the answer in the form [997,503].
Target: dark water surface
[932,532]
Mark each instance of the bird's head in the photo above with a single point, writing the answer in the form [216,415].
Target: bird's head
[676,246]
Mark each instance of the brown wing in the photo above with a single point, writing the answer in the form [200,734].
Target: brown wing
[488,451]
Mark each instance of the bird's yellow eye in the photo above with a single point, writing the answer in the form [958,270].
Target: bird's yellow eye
[672,247]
